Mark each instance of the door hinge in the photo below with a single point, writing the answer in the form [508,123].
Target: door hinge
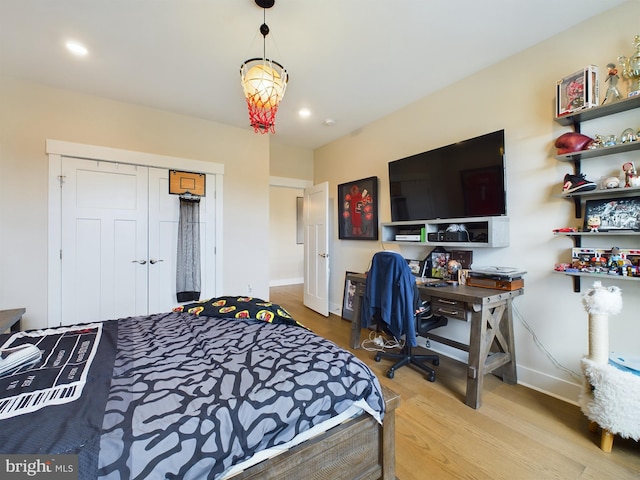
[61,179]
[60,254]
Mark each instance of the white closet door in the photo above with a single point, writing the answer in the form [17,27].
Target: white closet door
[208,239]
[104,240]
[164,214]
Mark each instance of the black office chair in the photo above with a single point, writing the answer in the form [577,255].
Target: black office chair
[391,300]
[406,355]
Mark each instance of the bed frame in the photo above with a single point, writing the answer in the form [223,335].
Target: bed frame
[358,449]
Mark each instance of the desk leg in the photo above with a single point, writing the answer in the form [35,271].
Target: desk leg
[475,370]
[491,349]
[509,371]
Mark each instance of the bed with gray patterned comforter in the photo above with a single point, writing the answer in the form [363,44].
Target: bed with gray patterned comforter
[175,395]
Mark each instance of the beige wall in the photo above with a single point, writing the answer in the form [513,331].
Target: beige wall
[517,95]
[32,113]
[291,162]
[291,171]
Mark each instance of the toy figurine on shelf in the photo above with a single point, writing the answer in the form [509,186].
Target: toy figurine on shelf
[615,260]
[593,222]
[630,174]
[631,68]
[612,95]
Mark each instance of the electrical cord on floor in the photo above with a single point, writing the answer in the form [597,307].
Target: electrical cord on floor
[378,343]
[537,341]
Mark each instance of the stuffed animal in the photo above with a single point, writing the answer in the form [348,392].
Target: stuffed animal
[610,182]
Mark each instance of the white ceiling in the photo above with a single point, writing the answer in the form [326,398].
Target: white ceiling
[352,61]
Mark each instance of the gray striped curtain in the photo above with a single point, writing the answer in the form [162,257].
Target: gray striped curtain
[188,264]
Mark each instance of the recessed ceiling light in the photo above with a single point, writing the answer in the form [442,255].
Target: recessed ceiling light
[76,48]
[304,113]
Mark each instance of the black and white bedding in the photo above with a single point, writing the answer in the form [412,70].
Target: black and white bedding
[176,395]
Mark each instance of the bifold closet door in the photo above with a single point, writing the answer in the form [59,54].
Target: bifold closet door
[104,240]
[164,215]
[119,240]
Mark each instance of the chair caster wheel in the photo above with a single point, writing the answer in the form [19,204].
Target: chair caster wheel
[432,377]
[378,357]
[435,362]
[390,373]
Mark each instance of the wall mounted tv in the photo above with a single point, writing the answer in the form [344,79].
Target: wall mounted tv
[465,179]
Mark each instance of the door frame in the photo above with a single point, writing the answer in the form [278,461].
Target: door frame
[56,149]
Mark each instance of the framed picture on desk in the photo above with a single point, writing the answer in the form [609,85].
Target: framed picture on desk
[438,259]
[418,267]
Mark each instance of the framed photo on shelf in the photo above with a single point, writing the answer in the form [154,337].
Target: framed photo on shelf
[348,297]
[578,91]
[612,214]
[358,210]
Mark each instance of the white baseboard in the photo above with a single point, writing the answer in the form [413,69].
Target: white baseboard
[549,385]
[286,281]
[336,309]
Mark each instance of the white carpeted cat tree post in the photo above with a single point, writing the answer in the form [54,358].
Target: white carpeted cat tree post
[610,396]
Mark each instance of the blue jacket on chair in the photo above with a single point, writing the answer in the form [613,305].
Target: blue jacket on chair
[391,291]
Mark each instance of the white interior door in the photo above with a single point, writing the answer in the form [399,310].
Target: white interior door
[316,248]
[104,240]
[164,214]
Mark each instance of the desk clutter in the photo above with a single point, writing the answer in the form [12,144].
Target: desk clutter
[499,278]
[441,268]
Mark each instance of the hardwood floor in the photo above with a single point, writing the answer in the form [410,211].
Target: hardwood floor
[516,434]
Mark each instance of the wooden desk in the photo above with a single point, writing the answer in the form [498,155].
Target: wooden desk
[10,319]
[491,346]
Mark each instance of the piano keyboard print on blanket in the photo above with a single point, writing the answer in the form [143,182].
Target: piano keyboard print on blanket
[59,378]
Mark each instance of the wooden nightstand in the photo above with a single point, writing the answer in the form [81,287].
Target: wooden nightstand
[10,319]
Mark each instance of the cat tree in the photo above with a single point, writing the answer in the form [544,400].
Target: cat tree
[610,397]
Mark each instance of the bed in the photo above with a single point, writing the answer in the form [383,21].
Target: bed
[232,387]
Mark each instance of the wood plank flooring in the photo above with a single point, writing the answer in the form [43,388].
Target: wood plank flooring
[517,434]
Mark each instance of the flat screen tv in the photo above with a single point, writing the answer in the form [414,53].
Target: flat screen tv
[465,179]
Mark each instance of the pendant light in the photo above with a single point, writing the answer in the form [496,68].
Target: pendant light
[264,82]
